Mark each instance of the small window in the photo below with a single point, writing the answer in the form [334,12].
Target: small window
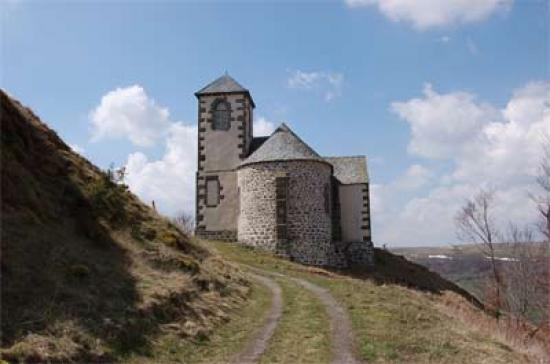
[326,194]
[221,115]
[212,191]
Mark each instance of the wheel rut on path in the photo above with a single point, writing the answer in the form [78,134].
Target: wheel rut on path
[256,347]
[342,342]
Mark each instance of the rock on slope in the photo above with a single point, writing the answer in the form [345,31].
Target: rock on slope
[89,273]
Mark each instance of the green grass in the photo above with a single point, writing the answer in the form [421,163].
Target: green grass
[391,323]
[302,335]
[225,341]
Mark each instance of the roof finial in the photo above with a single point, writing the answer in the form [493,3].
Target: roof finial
[227,74]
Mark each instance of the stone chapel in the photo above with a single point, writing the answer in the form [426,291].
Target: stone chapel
[276,192]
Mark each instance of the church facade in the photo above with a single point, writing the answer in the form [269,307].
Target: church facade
[276,192]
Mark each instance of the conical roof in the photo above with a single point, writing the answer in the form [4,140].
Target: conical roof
[283,145]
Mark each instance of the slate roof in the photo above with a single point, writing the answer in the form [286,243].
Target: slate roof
[223,84]
[282,145]
[256,143]
[349,170]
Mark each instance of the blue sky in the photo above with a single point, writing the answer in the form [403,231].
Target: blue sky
[349,77]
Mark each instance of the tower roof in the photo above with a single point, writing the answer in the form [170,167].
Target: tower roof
[223,85]
[283,145]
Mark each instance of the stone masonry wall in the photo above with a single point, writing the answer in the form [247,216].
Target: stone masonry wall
[219,153]
[221,235]
[308,222]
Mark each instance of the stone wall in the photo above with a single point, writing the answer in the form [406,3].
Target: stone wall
[360,254]
[352,254]
[221,235]
[308,229]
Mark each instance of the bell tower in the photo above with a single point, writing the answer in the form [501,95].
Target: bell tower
[224,139]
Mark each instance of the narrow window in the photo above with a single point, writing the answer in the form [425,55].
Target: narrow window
[221,115]
[281,190]
[212,191]
[326,195]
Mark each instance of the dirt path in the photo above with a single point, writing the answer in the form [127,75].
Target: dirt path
[258,345]
[340,325]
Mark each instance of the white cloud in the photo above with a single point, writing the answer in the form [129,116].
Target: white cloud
[415,177]
[510,147]
[444,39]
[169,181]
[77,148]
[304,80]
[424,14]
[441,125]
[263,127]
[329,84]
[430,219]
[129,113]
[485,146]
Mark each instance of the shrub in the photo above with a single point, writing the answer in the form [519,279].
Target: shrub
[108,199]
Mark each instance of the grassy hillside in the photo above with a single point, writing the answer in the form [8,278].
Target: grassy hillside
[89,273]
[403,313]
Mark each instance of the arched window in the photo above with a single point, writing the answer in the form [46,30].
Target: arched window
[221,116]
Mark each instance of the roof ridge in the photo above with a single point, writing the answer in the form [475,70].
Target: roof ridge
[286,128]
[283,144]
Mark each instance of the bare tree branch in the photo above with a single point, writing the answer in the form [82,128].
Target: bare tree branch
[475,225]
[186,222]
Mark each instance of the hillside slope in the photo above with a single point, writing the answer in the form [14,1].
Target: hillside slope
[89,273]
[402,313]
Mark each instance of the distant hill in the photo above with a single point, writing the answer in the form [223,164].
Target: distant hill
[89,273]
[465,264]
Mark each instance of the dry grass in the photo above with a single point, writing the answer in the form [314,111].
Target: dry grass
[225,341]
[516,333]
[89,273]
[401,313]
